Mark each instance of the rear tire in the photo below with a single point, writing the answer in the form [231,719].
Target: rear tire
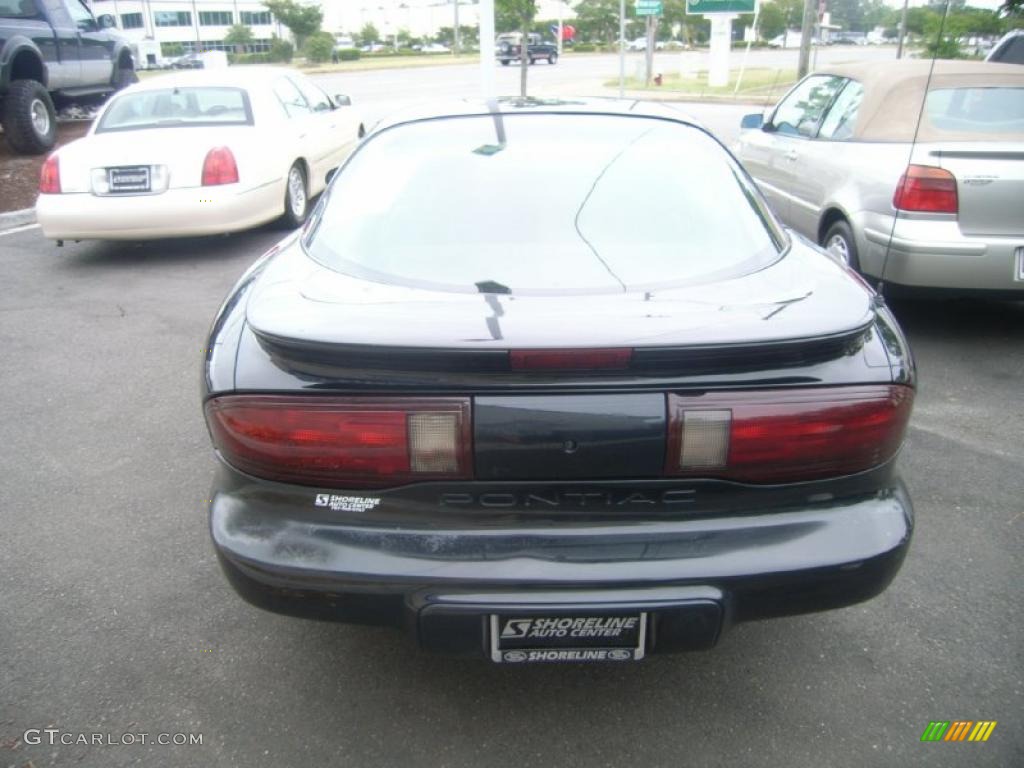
[839,241]
[29,120]
[552,58]
[124,77]
[532,61]
[296,198]
[504,62]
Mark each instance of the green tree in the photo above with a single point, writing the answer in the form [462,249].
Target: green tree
[239,36]
[301,20]
[516,15]
[597,20]
[368,35]
[771,22]
[319,47]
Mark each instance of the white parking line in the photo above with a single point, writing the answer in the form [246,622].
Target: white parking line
[16,230]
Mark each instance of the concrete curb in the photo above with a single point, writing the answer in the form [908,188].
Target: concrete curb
[17,218]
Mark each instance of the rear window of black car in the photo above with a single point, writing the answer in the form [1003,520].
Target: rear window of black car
[543,203]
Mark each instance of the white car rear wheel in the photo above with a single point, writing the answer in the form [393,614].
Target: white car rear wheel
[296,198]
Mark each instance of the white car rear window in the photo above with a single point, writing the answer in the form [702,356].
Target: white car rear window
[177,107]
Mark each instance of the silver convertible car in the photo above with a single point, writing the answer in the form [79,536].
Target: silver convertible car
[838,161]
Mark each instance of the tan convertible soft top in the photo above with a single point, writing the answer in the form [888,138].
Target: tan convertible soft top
[893,91]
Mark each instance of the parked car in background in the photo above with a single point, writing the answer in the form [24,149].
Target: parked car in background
[51,52]
[1009,49]
[502,415]
[198,153]
[435,48]
[509,48]
[788,39]
[837,159]
[201,60]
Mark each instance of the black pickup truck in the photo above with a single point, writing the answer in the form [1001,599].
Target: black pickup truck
[54,50]
[510,46]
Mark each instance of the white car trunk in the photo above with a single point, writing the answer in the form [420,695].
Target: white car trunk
[183,155]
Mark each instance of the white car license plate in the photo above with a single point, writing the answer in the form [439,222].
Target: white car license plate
[554,637]
[129,179]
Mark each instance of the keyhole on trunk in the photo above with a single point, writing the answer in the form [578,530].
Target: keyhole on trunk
[570,446]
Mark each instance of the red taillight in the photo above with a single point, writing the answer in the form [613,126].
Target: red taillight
[219,167]
[343,442]
[926,189]
[49,176]
[786,435]
[569,359]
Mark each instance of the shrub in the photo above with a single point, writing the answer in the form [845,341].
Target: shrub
[281,50]
[249,58]
[319,47]
[346,54]
[583,48]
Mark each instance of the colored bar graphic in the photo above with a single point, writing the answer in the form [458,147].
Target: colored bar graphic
[935,731]
[983,730]
[958,730]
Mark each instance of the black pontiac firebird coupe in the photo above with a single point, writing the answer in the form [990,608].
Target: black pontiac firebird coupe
[548,382]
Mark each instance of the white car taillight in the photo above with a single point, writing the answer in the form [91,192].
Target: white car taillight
[219,167]
[49,176]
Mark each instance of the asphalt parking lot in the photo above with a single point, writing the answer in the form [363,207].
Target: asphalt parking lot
[116,619]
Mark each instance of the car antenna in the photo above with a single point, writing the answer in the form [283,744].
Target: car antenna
[913,143]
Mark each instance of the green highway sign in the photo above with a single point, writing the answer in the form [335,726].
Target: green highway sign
[702,7]
[648,7]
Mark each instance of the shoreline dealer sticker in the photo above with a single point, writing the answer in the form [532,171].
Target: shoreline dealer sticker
[616,637]
[346,503]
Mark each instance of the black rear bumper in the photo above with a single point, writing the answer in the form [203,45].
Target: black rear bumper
[694,577]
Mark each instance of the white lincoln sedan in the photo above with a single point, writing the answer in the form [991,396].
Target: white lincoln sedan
[198,153]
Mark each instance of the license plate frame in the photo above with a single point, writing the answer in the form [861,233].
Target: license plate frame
[600,636]
[139,181]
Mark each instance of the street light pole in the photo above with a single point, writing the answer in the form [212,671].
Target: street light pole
[622,48]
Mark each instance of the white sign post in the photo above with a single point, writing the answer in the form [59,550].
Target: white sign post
[720,13]
[721,44]
[487,48]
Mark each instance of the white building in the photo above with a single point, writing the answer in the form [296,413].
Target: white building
[192,24]
[202,24]
[421,18]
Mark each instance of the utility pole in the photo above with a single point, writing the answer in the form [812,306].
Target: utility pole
[903,30]
[560,27]
[622,48]
[806,29]
[649,53]
[456,46]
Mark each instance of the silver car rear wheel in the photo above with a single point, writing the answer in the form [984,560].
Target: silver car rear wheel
[840,243]
[838,246]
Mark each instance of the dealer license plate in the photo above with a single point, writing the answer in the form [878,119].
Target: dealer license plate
[129,179]
[523,638]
